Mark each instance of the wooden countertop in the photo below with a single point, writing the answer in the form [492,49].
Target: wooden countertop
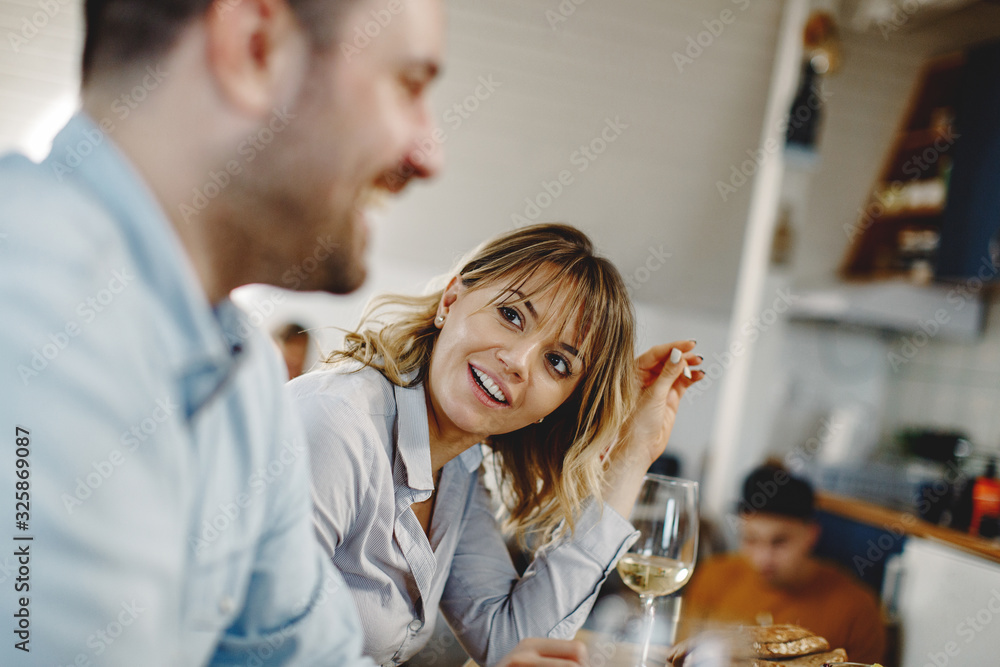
[905,523]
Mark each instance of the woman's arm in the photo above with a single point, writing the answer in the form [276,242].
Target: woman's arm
[491,609]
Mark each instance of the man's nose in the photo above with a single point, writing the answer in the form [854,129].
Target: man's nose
[426,158]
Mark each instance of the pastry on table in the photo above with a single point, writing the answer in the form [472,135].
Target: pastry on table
[760,646]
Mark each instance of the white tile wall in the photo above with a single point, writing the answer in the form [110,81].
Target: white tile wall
[952,385]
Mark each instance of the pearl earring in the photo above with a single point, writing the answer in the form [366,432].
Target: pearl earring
[540,420]
[439,320]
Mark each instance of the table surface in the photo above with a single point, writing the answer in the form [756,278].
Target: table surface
[907,523]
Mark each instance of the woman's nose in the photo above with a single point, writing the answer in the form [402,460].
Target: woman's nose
[516,358]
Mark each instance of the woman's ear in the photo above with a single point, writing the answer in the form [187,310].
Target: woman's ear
[450,295]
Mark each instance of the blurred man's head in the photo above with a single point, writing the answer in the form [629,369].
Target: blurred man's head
[280,120]
[778,532]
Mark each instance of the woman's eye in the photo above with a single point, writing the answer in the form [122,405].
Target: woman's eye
[511,315]
[559,364]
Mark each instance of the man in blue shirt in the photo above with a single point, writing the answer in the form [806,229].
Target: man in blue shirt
[162,509]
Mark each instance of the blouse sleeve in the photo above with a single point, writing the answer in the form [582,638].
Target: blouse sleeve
[491,609]
[336,433]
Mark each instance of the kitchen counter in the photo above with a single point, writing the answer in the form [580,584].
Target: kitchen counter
[906,523]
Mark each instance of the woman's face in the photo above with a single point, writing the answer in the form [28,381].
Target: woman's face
[497,368]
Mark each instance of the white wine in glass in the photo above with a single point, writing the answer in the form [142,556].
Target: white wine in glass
[662,559]
[653,575]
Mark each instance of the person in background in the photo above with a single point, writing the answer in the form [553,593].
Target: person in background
[293,341]
[164,482]
[775,579]
[528,349]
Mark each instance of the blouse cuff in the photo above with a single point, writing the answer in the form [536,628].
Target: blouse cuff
[603,534]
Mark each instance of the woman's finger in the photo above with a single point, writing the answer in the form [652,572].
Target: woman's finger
[674,367]
[659,354]
[541,652]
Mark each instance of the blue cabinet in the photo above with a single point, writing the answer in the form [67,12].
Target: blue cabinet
[968,246]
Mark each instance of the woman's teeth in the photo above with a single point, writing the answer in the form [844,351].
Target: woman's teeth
[489,385]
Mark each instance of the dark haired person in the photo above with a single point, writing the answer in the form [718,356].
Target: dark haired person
[165,486]
[774,579]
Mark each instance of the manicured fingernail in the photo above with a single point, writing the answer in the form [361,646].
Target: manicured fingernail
[687,372]
[675,355]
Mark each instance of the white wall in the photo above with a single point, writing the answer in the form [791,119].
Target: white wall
[948,385]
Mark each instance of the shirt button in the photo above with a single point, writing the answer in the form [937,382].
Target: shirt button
[415,625]
[227,605]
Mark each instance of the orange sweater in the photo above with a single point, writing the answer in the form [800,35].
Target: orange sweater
[833,605]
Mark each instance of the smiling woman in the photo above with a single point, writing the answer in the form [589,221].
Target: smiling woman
[527,350]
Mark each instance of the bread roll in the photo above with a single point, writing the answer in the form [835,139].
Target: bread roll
[814,660]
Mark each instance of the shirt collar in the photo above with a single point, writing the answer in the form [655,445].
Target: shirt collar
[472,458]
[86,155]
[413,438]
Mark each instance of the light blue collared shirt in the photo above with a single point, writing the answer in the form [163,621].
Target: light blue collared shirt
[370,447]
[167,517]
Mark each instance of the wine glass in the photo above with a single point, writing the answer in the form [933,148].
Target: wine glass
[662,559]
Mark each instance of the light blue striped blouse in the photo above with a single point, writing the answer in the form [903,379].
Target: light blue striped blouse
[370,452]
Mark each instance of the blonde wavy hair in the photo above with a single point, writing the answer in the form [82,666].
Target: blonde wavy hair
[547,470]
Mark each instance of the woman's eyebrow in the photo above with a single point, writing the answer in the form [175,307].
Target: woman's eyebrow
[527,304]
[569,348]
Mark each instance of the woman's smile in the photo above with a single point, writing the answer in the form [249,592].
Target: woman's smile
[487,389]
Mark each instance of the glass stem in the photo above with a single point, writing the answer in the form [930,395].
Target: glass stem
[648,614]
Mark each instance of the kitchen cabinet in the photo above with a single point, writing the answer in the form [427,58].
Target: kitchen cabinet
[935,209]
[948,606]
[972,214]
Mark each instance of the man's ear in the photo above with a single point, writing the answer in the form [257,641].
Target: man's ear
[256,49]
[814,533]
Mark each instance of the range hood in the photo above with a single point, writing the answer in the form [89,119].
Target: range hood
[953,312]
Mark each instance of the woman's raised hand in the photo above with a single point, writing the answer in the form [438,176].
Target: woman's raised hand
[662,383]
[644,436]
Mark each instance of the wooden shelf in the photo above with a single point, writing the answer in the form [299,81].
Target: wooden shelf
[879,276]
[875,251]
[922,139]
[905,523]
[910,214]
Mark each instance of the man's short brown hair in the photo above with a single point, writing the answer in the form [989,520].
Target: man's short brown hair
[124,33]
